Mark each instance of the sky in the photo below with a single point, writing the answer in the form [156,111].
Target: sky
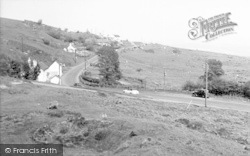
[156,21]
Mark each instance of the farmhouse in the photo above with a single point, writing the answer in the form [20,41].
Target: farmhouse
[71,48]
[50,74]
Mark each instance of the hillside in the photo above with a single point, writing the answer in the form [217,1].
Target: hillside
[149,61]
[22,39]
[129,126]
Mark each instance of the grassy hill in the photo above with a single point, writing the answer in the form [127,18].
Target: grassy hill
[44,43]
[150,61]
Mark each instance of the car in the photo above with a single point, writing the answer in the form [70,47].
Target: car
[200,93]
[131,91]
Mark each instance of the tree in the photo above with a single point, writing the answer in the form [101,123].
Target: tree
[246,89]
[215,70]
[109,65]
[30,73]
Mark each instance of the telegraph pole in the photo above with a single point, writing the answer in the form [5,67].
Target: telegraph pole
[206,83]
[164,78]
[75,56]
[22,44]
[85,59]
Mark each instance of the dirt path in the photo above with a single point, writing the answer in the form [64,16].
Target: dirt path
[71,76]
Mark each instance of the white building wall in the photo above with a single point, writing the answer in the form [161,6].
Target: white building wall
[55,80]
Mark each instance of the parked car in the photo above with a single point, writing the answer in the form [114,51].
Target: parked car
[200,93]
[131,91]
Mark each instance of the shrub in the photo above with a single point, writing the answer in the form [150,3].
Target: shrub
[45,41]
[55,34]
[149,50]
[40,21]
[69,39]
[176,51]
[191,86]
[17,69]
[90,79]
[246,89]
[90,48]
[219,86]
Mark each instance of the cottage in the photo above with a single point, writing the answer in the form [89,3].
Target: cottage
[51,74]
[71,48]
[42,77]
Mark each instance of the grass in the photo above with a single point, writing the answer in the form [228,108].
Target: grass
[180,65]
[157,128]
[38,41]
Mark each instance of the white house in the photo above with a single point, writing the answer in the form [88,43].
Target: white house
[71,48]
[51,74]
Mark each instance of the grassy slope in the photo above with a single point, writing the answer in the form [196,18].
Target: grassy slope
[188,65]
[12,32]
[161,128]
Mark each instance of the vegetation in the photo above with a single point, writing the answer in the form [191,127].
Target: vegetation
[109,66]
[40,21]
[216,84]
[45,41]
[214,70]
[18,69]
[55,34]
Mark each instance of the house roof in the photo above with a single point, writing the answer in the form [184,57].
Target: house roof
[43,66]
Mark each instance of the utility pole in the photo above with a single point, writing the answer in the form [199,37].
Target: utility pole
[85,59]
[164,78]
[206,68]
[59,74]
[75,56]
[22,43]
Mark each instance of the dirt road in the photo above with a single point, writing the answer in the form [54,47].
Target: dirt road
[71,76]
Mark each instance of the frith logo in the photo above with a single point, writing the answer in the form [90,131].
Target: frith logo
[210,28]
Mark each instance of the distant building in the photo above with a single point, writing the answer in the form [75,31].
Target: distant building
[103,42]
[71,48]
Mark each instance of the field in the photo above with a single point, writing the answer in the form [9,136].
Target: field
[180,66]
[103,123]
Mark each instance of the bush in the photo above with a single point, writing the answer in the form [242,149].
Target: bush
[191,86]
[246,89]
[90,79]
[40,21]
[222,87]
[55,34]
[17,69]
[45,41]
[90,48]
[69,39]
[149,50]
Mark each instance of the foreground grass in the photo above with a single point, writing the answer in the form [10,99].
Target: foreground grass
[130,127]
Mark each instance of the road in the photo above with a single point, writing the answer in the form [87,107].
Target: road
[72,75]
[166,97]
